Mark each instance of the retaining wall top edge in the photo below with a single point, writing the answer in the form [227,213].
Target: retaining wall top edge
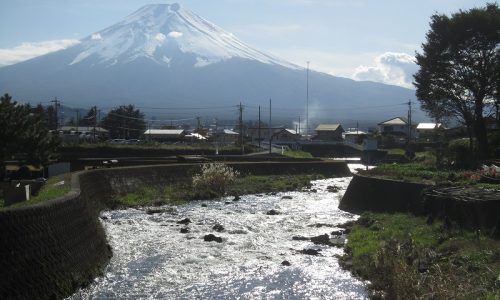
[75,180]
[393,180]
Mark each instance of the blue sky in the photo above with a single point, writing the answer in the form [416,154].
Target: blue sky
[361,39]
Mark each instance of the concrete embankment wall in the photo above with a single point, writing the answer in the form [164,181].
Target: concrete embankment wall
[382,195]
[49,250]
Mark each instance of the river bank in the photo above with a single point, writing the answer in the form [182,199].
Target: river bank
[405,256]
[51,248]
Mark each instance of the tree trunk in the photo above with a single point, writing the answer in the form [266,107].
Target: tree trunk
[480,129]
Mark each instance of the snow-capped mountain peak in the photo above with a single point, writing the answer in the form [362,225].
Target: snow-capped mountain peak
[162,33]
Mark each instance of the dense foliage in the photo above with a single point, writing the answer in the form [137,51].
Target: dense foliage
[125,122]
[90,119]
[460,69]
[24,135]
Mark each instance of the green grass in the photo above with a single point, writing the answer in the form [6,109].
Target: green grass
[407,258]
[182,191]
[154,195]
[395,151]
[51,190]
[298,154]
[425,173]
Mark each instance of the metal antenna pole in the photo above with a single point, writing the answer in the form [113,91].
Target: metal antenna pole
[259,126]
[270,127]
[307,102]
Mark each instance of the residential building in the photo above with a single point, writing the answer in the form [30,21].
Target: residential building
[165,135]
[82,134]
[364,140]
[224,136]
[329,132]
[428,132]
[279,134]
[395,126]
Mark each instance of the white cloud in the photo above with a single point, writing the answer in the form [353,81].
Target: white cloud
[25,51]
[160,37]
[330,62]
[174,34]
[391,68]
[96,36]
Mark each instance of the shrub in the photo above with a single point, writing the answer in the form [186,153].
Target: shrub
[213,180]
[460,153]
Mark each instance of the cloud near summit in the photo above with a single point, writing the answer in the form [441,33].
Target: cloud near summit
[391,68]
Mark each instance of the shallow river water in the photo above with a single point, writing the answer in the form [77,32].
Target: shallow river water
[152,259]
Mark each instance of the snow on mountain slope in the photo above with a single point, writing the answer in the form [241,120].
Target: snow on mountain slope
[161,32]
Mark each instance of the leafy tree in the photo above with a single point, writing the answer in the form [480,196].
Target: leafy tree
[125,122]
[24,136]
[459,68]
[90,119]
[50,118]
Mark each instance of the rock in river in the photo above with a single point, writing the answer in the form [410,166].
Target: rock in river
[212,238]
[184,221]
[272,212]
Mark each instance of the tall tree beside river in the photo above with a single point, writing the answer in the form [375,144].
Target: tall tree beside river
[125,122]
[23,135]
[459,69]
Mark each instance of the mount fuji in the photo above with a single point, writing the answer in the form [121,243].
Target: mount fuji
[164,55]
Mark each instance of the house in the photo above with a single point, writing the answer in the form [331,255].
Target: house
[329,132]
[165,135]
[77,134]
[225,136]
[279,134]
[427,132]
[365,140]
[396,126]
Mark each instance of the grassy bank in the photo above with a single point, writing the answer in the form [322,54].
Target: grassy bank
[426,173]
[298,154]
[182,191]
[53,188]
[407,258]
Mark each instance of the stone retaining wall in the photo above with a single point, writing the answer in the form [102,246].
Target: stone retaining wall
[49,250]
[382,195]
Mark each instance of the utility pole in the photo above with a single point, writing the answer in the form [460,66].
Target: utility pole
[241,130]
[409,120]
[270,126]
[215,138]
[307,102]
[77,119]
[198,119]
[77,123]
[259,126]
[299,124]
[56,106]
[95,121]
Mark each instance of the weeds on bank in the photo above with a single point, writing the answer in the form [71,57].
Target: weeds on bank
[425,173]
[298,154]
[181,192]
[53,188]
[407,258]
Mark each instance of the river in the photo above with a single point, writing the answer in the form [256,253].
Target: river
[152,259]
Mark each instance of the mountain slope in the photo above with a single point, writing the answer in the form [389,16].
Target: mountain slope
[166,56]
